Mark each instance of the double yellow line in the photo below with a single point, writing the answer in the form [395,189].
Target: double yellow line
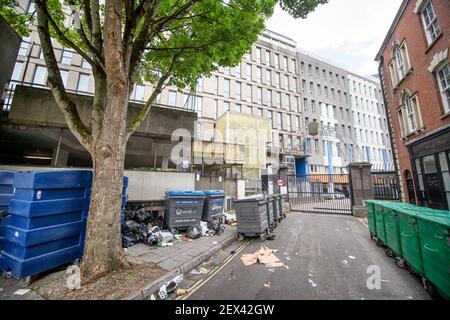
[225,262]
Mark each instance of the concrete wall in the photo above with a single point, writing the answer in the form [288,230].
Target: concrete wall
[9,47]
[35,106]
[142,186]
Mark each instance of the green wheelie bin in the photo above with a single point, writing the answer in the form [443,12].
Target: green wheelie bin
[379,224]
[370,205]
[392,231]
[410,240]
[434,233]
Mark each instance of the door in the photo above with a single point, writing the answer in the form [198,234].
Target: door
[410,187]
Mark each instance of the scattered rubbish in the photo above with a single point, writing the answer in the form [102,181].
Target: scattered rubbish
[169,287]
[312,283]
[233,252]
[125,249]
[270,237]
[230,218]
[272,270]
[152,297]
[199,271]
[288,259]
[181,292]
[347,229]
[215,227]
[352,257]
[409,297]
[165,244]
[194,232]
[215,242]
[310,274]
[385,281]
[344,261]
[21,292]
[263,256]
[267,285]
[140,226]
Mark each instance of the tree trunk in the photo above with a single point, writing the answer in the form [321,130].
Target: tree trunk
[103,246]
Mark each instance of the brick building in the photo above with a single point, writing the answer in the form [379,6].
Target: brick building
[415,75]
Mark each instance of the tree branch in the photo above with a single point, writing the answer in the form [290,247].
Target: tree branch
[42,5]
[97,39]
[137,121]
[54,82]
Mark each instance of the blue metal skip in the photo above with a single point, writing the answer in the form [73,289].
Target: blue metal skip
[6,193]
[47,220]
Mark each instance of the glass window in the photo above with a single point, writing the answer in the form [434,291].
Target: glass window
[269,98]
[280,120]
[64,77]
[138,93]
[199,86]
[258,55]
[24,45]
[269,78]
[286,82]
[429,164]
[258,74]
[287,101]
[278,102]
[268,59]
[238,90]
[40,75]
[430,22]
[226,88]
[271,118]
[83,82]
[226,106]
[249,72]
[444,85]
[172,98]
[66,57]
[85,65]
[17,72]
[259,95]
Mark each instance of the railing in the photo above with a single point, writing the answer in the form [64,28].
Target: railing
[385,186]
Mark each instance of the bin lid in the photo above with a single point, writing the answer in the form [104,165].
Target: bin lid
[251,199]
[184,193]
[214,192]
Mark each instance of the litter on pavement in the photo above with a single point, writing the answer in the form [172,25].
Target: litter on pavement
[21,292]
[169,287]
[263,256]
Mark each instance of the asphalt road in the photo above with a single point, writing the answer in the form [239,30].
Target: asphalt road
[328,257]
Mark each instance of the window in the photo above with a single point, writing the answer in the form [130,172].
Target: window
[409,114]
[249,72]
[295,85]
[278,102]
[258,75]
[444,85]
[85,64]
[258,55]
[226,88]
[280,120]
[238,90]
[64,77]
[40,75]
[302,68]
[216,85]
[305,105]
[138,93]
[269,78]
[199,86]
[24,45]
[399,66]
[287,101]
[198,105]
[271,118]
[286,63]
[288,123]
[216,108]
[259,95]
[226,70]
[17,72]
[268,60]
[304,86]
[249,110]
[400,63]
[249,93]
[286,82]
[277,80]
[296,104]
[277,60]
[313,106]
[83,82]
[66,57]
[310,72]
[238,70]
[238,108]
[294,66]
[260,112]
[297,123]
[430,22]
[172,98]
[226,106]
[269,98]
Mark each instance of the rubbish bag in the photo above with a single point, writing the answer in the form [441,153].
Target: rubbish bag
[194,232]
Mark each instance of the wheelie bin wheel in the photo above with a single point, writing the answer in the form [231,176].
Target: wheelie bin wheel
[24,282]
[389,253]
[431,289]
[379,243]
[401,263]
[240,237]
[262,237]
[371,236]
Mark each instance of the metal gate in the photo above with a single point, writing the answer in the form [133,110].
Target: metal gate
[320,193]
[385,186]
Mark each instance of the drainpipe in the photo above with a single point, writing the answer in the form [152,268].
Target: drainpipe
[391,129]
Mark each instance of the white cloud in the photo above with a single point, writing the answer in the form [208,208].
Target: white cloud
[349,32]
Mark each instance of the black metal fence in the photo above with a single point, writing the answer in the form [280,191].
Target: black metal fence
[320,193]
[385,186]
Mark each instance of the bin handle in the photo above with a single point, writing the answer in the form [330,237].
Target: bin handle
[406,235]
[430,249]
[439,237]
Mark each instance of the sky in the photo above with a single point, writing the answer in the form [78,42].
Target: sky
[347,32]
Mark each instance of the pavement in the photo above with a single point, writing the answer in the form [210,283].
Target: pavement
[180,258]
[329,257]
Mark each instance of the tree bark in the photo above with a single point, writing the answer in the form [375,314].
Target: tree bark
[103,245]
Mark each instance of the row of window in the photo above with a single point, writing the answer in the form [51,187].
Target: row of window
[326,76]
[328,93]
[288,64]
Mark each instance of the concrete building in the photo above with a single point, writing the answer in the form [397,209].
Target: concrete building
[351,115]
[415,73]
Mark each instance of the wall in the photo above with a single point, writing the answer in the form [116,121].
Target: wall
[9,47]
[419,80]
[142,186]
